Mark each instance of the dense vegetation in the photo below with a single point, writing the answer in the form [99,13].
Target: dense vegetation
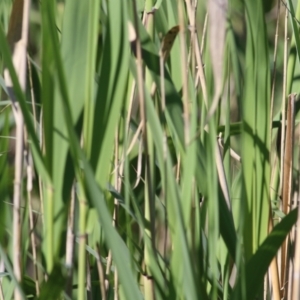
[148,149]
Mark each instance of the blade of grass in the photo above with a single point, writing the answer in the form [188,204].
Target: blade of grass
[96,196]
[256,135]
[113,75]
[258,264]
[295,44]
[175,123]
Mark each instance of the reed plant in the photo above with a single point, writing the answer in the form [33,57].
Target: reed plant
[148,149]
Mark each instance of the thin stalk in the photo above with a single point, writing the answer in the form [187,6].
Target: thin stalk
[283,116]
[282,167]
[201,73]
[31,222]
[222,176]
[274,63]
[29,183]
[83,208]
[191,9]
[42,144]
[201,77]
[204,34]
[107,271]
[48,209]
[101,273]
[88,280]
[147,141]
[283,108]
[287,188]
[118,170]
[70,243]
[116,208]
[46,202]
[83,288]
[217,31]
[162,57]
[274,265]
[17,37]
[83,272]
[296,273]
[17,197]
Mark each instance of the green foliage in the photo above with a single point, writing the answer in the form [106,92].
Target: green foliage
[133,193]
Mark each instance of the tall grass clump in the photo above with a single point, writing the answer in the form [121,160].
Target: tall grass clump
[148,149]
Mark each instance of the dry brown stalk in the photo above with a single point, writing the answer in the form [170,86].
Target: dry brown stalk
[287,186]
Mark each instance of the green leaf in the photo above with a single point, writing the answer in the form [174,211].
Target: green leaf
[258,264]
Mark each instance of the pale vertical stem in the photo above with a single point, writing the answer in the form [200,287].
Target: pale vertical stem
[204,34]
[82,237]
[17,264]
[31,222]
[70,243]
[200,73]
[149,231]
[116,209]
[265,287]
[108,266]
[29,184]
[41,137]
[17,37]
[83,207]
[116,283]
[101,274]
[217,11]
[149,197]
[198,55]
